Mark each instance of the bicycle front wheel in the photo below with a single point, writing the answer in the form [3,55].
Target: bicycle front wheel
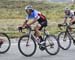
[4,43]
[52,46]
[64,40]
[27,46]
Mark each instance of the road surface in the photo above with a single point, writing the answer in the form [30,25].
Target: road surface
[14,54]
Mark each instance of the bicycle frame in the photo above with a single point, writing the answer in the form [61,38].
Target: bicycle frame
[68,32]
[30,34]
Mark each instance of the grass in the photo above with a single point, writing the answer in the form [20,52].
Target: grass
[15,9]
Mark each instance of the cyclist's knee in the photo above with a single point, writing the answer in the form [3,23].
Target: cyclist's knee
[37,28]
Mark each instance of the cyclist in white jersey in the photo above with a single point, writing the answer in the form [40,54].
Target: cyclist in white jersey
[69,14]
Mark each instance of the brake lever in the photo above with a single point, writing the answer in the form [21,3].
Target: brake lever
[20,29]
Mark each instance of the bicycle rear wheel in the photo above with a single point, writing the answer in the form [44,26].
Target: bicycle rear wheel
[26,46]
[52,46]
[64,41]
[4,43]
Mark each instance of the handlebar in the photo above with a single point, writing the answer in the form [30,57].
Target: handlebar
[62,25]
[28,27]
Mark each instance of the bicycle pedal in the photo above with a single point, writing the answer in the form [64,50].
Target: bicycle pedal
[42,48]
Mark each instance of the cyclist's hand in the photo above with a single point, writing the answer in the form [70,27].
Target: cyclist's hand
[20,29]
[27,26]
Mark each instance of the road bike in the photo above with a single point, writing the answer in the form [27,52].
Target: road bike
[65,37]
[27,43]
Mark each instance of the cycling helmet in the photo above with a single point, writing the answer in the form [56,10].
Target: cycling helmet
[66,9]
[28,7]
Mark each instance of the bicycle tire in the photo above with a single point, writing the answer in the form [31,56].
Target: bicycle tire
[60,43]
[23,53]
[9,43]
[58,48]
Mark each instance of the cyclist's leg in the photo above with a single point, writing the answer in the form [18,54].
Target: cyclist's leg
[38,28]
[38,34]
[72,22]
[37,31]
[71,30]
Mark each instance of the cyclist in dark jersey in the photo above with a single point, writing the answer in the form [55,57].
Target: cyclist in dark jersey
[37,17]
[70,14]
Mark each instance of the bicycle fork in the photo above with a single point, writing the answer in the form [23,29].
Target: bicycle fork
[27,43]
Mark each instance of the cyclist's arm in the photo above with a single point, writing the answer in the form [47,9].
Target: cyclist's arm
[32,22]
[26,20]
[72,19]
[65,20]
[24,23]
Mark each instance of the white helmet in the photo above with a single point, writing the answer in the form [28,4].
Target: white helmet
[66,9]
[28,7]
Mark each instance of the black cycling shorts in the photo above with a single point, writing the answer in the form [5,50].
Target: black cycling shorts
[43,24]
[73,22]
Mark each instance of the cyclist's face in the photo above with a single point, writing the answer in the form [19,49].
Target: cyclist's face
[28,12]
[67,12]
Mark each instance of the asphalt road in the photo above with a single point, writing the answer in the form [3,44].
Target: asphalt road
[14,54]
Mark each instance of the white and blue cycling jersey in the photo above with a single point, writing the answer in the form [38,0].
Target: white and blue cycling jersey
[33,15]
[36,15]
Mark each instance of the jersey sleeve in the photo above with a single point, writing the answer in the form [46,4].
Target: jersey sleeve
[36,16]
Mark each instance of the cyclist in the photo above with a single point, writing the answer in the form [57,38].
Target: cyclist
[37,17]
[69,14]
